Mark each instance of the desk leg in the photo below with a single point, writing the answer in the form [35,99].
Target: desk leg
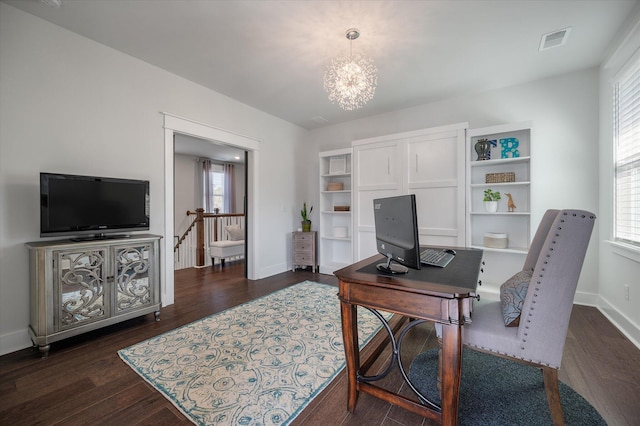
[451,372]
[351,350]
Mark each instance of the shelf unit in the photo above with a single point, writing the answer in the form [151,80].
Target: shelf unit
[336,226]
[516,224]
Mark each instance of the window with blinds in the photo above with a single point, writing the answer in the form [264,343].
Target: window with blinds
[626,121]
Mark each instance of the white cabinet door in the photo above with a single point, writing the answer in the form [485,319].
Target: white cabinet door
[435,174]
[429,163]
[376,175]
[377,166]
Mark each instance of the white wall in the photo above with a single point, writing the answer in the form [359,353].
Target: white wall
[618,265]
[564,165]
[184,196]
[187,195]
[68,104]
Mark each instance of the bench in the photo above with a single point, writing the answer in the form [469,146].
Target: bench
[225,249]
[233,247]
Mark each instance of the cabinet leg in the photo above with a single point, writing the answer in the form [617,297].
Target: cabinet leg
[44,350]
[156,314]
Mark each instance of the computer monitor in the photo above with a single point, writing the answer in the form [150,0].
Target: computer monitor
[396,225]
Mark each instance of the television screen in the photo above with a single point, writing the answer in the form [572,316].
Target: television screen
[78,205]
[396,226]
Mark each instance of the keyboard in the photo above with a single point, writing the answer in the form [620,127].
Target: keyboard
[435,257]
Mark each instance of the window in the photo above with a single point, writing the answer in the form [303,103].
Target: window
[626,123]
[213,188]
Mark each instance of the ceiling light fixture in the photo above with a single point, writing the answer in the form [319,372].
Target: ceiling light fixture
[350,80]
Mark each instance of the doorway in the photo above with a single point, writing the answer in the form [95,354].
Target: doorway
[178,125]
[227,191]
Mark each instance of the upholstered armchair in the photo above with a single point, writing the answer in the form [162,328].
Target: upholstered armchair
[537,336]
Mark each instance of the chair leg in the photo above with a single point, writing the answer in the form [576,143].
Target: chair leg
[550,376]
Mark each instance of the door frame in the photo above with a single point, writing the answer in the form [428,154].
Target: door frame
[176,124]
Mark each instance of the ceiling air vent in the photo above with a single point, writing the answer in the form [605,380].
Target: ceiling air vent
[320,120]
[554,39]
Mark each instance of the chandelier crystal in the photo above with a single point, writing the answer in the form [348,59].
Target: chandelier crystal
[350,80]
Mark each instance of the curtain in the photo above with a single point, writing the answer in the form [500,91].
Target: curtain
[207,185]
[229,188]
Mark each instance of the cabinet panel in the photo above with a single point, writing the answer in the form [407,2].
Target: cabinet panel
[366,244]
[438,226]
[434,159]
[134,276]
[377,167]
[80,293]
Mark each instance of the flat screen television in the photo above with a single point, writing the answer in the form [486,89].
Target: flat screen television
[92,206]
[396,226]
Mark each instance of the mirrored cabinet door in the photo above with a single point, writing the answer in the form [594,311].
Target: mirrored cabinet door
[133,277]
[80,287]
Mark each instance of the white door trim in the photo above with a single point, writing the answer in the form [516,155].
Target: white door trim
[175,124]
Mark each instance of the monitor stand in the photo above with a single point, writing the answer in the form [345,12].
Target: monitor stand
[391,268]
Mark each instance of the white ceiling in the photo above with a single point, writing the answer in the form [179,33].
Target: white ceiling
[195,147]
[272,54]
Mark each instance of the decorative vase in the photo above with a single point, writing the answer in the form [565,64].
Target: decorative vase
[491,206]
[306,225]
[483,149]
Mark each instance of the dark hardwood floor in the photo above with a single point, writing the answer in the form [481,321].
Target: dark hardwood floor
[83,381]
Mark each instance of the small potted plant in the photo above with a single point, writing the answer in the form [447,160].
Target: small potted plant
[306,222]
[491,200]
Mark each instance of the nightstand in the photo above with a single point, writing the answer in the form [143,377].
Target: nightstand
[304,250]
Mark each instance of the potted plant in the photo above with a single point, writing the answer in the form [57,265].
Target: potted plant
[306,222]
[491,200]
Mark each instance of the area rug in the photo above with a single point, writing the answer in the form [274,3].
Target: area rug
[498,391]
[259,363]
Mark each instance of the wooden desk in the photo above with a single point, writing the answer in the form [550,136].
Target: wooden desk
[443,295]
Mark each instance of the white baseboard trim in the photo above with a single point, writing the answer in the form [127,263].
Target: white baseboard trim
[273,270]
[587,299]
[622,323]
[15,341]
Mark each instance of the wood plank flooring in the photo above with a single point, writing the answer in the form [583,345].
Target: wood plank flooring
[84,382]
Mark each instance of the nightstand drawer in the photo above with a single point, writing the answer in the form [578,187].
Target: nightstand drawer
[299,237]
[303,246]
[303,259]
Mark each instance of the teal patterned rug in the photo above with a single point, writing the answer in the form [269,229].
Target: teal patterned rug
[259,363]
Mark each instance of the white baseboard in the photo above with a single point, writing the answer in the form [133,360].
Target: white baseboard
[622,323]
[587,299]
[273,270]
[15,341]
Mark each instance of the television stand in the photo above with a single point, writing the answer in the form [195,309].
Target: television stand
[77,287]
[392,268]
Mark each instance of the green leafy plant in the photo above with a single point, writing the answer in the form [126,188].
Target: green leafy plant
[490,195]
[304,213]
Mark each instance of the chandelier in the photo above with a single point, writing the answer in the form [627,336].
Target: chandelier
[350,80]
